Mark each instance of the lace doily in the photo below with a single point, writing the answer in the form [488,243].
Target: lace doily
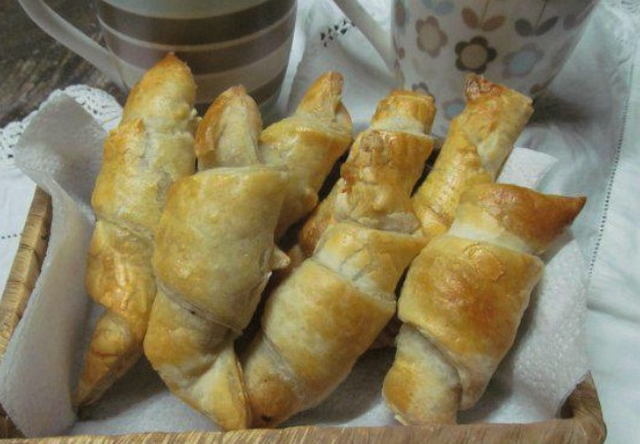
[98,103]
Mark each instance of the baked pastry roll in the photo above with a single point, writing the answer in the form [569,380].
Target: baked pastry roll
[215,243]
[151,148]
[308,144]
[214,252]
[464,297]
[329,310]
[406,111]
[477,144]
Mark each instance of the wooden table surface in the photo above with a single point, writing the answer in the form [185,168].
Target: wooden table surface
[33,64]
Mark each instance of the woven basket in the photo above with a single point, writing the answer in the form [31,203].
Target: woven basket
[581,420]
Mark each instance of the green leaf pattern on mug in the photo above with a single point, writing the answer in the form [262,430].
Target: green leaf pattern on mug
[490,37]
[470,18]
[521,62]
[400,14]
[482,21]
[539,27]
[493,23]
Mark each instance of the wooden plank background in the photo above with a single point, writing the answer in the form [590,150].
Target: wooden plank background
[32,64]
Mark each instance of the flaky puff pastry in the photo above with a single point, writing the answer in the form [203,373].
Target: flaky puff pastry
[151,148]
[477,144]
[214,252]
[407,111]
[464,296]
[307,144]
[329,310]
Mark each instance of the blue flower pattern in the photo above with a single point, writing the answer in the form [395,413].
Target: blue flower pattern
[475,55]
[440,7]
[521,62]
[452,108]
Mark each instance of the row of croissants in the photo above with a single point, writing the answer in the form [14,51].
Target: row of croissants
[180,256]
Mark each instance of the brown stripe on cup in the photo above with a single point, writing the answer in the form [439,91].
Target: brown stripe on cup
[194,31]
[261,94]
[269,89]
[200,59]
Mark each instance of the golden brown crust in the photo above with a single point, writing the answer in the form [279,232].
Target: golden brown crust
[152,147]
[421,383]
[269,380]
[465,294]
[493,119]
[307,144]
[322,353]
[405,110]
[477,294]
[535,218]
[321,218]
[214,252]
[330,309]
[402,117]
[373,188]
[195,358]
[348,300]
[238,106]
[163,97]
[478,142]
[458,166]
[323,99]
[222,255]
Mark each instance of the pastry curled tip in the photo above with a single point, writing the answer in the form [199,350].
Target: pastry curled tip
[477,87]
[171,58]
[414,105]
[160,89]
[370,154]
[324,95]
[420,95]
[535,217]
[217,120]
[171,62]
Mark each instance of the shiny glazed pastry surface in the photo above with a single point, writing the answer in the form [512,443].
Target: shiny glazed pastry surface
[329,310]
[151,148]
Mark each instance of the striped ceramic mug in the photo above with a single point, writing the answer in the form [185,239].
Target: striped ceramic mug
[225,42]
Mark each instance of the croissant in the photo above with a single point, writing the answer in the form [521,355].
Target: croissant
[214,252]
[329,310]
[307,145]
[477,144]
[212,270]
[401,110]
[151,148]
[464,297]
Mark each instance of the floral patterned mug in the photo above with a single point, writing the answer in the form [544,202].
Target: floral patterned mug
[435,43]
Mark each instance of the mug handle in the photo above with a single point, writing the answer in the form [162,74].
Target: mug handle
[379,37]
[71,37]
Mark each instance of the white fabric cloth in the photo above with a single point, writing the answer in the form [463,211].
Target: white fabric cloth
[589,121]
